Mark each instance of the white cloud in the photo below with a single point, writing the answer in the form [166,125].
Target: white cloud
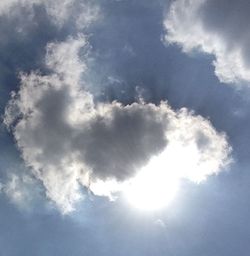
[84,12]
[214,27]
[70,141]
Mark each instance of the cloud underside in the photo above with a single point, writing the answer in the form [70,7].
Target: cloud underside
[215,27]
[69,141]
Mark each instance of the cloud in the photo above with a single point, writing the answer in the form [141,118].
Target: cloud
[17,189]
[60,11]
[70,141]
[215,27]
[23,190]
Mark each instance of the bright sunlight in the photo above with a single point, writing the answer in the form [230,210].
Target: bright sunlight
[157,184]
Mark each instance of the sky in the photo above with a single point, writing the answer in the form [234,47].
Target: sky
[124,127]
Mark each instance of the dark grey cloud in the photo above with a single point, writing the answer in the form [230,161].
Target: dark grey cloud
[123,143]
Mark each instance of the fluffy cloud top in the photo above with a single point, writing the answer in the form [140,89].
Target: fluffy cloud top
[68,140]
[218,27]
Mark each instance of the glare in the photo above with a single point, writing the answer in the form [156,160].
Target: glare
[156,184]
[153,188]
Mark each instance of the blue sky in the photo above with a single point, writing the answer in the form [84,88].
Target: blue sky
[93,93]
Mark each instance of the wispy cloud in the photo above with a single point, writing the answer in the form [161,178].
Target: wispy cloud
[84,12]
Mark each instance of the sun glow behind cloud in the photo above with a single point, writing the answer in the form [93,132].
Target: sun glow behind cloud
[153,188]
[157,184]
